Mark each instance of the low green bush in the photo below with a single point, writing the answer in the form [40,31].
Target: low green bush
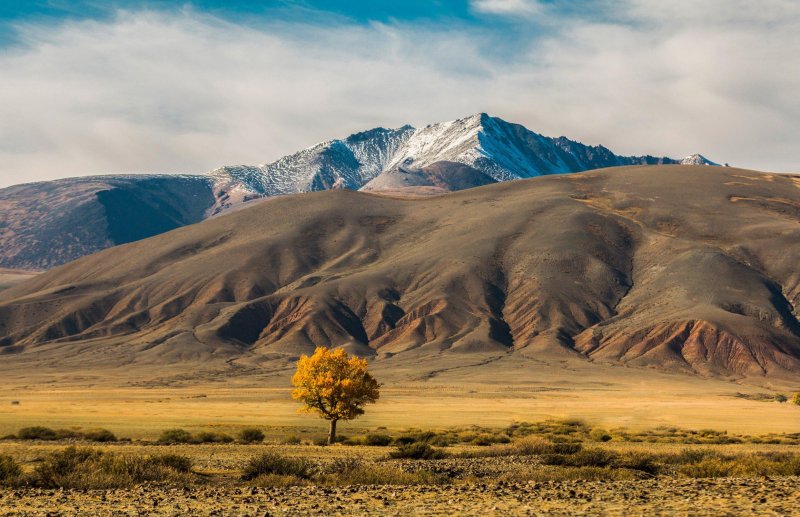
[37,433]
[173,436]
[270,463]
[485,439]
[378,440]
[599,435]
[533,445]
[404,440]
[85,468]
[253,435]
[9,470]
[417,451]
[210,437]
[100,435]
[582,458]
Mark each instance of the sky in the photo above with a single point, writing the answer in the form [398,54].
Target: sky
[100,87]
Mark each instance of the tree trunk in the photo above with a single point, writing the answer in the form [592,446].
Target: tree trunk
[332,433]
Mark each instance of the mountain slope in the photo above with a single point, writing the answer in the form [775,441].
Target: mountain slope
[46,224]
[681,268]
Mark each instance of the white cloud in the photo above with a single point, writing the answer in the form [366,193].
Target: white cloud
[507,7]
[154,92]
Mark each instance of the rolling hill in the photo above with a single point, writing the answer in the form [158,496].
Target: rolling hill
[680,268]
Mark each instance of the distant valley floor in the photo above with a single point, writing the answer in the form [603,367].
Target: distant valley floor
[469,389]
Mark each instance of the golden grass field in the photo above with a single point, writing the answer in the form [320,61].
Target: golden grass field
[472,392]
[486,390]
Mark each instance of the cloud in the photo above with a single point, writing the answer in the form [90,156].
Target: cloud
[507,7]
[186,92]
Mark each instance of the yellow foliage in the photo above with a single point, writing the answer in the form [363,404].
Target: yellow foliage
[334,384]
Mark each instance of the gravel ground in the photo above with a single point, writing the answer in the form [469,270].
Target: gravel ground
[661,496]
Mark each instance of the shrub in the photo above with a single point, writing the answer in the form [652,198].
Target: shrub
[320,441]
[9,469]
[209,437]
[707,468]
[100,435]
[796,398]
[583,458]
[384,475]
[404,440]
[490,439]
[37,433]
[253,435]
[378,440]
[270,463]
[177,462]
[780,397]
[417,451]
[171,436]
[344,465]
[599,435]
[85,468]
[533,445]
[68,434]
[640,461]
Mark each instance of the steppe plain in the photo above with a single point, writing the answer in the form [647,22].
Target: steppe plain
[91,375]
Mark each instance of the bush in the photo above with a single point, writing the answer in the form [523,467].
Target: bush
[599,435]
[84,468]
[532,445]
[780,397]
[321,441]
[9,470]
[171,436]
[417,451]
[344,465]
[100,435]
[385,475]
[378,440]
[583,458]
[270,463]
[252,435]
[209,437]
[484,439]
[640,461]
[796,398]
[177,462]
[707,468]
[37,433]
[404,440]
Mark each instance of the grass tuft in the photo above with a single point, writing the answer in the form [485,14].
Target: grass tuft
[270,463]
[417,451]
[251,435]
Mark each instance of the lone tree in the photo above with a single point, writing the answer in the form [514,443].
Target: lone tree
[334,385]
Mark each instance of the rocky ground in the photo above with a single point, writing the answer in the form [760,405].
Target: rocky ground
[661,496]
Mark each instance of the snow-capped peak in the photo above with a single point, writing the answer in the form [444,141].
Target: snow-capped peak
[697,159]
[499,149]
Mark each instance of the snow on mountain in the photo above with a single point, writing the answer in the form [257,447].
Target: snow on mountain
[499,149]
[697,159]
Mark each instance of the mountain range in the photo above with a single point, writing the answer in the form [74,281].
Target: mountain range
[687,269]
[46,224]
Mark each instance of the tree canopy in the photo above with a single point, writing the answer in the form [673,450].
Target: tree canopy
[334,385]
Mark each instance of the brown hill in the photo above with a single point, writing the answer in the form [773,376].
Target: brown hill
[46,224]
[677,267]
